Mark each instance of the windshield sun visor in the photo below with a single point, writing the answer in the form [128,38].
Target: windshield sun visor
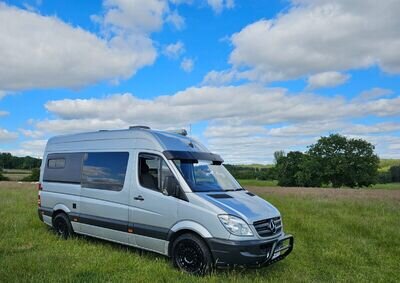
[193,156]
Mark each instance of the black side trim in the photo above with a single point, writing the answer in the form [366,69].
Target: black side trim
[193,156]
[220,196]
[139,229]
[113,224]
[151,231]
[45,211]
[108,223]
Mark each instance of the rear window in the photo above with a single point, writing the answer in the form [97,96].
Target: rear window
[63,168]
[104,170]
[56,163]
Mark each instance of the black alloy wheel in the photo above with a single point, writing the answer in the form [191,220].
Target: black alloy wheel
[62,226]
[192,255]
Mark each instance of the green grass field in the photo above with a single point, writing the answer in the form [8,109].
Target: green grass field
[273,183]
[348,237]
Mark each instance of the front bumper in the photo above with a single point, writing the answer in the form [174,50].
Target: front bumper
[227,253]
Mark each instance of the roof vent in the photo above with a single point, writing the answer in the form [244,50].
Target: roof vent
[181,132]
[139,127]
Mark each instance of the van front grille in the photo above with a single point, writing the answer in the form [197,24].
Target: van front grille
[268,227]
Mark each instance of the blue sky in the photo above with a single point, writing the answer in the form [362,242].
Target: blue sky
[248,77]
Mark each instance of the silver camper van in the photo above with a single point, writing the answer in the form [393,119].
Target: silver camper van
[159,191]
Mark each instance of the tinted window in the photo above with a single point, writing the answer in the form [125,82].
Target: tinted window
[56,163]
[152,171]
[204,176]
[104,170]
[63,168]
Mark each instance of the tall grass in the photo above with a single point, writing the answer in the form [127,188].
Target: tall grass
[336,240]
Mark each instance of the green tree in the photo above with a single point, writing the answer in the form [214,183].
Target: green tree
[287,167]
[309,174]
[33,177]
[345,162]
[395,173]
[298,169]
[278,155]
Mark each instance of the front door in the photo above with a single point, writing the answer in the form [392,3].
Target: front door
[152,212]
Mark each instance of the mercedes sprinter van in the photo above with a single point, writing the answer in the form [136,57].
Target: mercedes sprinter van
[159,191]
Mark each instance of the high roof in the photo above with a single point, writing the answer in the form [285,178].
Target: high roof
[143,138]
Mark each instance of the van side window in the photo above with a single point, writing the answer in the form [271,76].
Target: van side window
[56,163]
[104,170]
[63,168]
[152,171]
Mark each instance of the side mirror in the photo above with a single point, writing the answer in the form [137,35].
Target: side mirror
[171,186]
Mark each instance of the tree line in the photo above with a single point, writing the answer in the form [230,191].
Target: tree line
[8,161]
[334,161]
[390,176]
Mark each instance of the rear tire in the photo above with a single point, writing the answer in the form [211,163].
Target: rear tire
[191,254]
[62,226]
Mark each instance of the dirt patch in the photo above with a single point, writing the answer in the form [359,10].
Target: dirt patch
[393,195]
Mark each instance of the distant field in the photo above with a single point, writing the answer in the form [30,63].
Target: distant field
[16,174]
[340,236]
[273,183]
[258,183]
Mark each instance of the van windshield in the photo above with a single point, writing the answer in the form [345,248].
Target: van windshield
[204,176]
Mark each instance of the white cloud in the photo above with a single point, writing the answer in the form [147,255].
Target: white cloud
[6,136]
[219,5]
[179,2]
[313,128]
[374,94]
[3,113]
[219,77]
[174,50]
[187,65]
[245,123]
[227,131]
[316,36]
[34,148]
[176,20]
[135,15]
[326,79]
[234,105]
[40,52]
[3,94]
[379,128]
[59,126]
[31,133]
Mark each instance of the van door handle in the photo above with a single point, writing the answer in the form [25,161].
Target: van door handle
[139,198]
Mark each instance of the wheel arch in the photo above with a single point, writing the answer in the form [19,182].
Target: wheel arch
[59,208]
[184,227]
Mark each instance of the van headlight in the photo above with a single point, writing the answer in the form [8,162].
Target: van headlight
[235,225]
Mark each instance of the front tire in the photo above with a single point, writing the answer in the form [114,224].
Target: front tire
[191,254]
[62,226]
